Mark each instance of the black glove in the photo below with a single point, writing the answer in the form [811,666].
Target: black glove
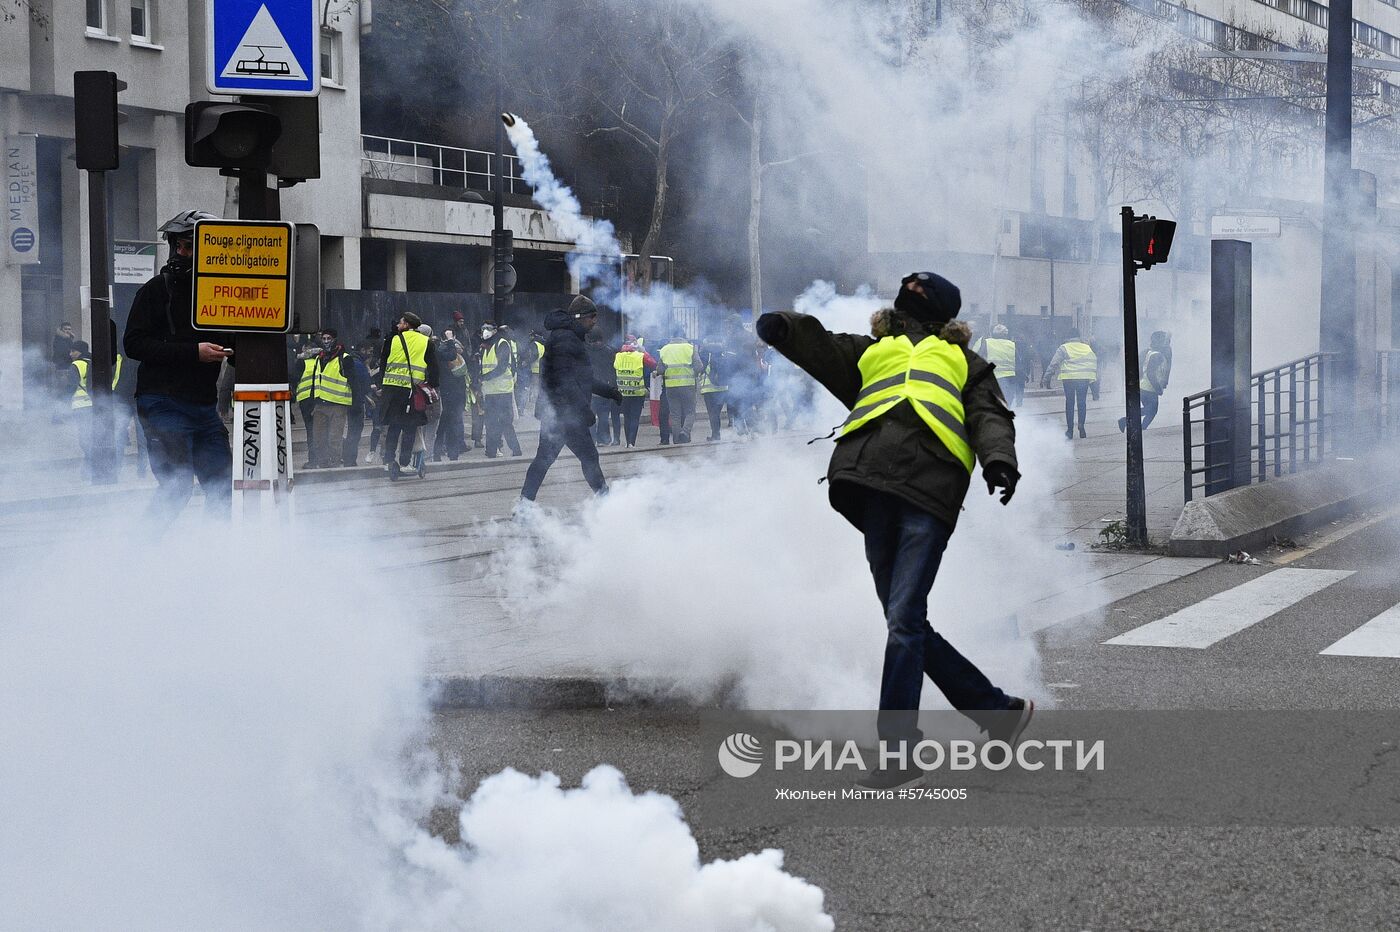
[614,394]
[1001,476]
[771,329]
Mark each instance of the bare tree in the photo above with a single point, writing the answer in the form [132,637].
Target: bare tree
[656,71]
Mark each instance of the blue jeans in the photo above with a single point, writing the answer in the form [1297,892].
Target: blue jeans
[186,440]
[904,546]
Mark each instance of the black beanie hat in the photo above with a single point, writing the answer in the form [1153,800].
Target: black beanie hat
[581,307]
[939,303]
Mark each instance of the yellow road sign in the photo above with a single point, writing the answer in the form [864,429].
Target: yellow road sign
[242,275]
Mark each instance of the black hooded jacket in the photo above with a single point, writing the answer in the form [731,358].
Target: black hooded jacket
[160,335]
[566,372]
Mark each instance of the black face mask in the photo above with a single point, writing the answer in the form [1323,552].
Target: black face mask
[180,265]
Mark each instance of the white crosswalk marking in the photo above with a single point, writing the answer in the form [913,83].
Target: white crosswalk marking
[1379,637]
[1230,612]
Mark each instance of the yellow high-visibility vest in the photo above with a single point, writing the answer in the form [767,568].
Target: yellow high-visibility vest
[539,355]
[81,398]
[503,384]
[678,365]
[930,376]
[117,372]
[1080,365]
[405,368]
[1002,354]
[708,385]
[330,382]
[630,368]
[1145,384]
[307,385]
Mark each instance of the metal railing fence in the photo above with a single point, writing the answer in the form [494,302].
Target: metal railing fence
[429,163]
[1287,428]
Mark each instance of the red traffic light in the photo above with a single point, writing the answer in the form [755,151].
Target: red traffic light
[1152,241]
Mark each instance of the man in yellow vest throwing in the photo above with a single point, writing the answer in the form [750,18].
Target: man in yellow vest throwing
[1077,366]
[923,409]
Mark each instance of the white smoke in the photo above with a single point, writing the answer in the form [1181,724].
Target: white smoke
[219,733]
[596,253]
[593,238]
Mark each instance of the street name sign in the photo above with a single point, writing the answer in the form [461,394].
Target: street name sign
[243,275]
[1244,226]
[264,47]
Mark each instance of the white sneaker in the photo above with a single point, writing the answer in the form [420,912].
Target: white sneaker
[370,457]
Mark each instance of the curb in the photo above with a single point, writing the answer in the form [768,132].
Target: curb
[1251,516]
[78,499]
[456,692]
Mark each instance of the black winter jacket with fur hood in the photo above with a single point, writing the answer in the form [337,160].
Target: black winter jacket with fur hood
[896,453]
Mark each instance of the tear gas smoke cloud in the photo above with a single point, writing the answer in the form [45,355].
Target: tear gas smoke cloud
[189,749]
[737,578]
[592,238]
[596,248]
[779,580]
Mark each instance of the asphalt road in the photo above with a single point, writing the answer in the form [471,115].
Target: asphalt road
[1074,878]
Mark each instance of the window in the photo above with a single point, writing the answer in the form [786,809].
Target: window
[97,15]
[331,57]
[141,29]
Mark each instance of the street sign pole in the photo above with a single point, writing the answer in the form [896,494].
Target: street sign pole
[262,453]
[1137,486]
[259,49]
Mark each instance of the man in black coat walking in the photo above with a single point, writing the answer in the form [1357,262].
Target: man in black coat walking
[567,387]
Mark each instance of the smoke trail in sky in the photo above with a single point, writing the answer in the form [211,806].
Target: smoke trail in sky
[591,237]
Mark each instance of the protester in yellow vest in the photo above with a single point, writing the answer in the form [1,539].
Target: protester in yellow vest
[80,400]
[498,367]
[1077,366]
[1156,371]
[325,382]
[717,363]
[1001,351]
[678,376]
[923,406]
[632,365]
[406,360]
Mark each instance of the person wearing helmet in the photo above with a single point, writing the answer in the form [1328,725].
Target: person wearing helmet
[1004,353]
[177,383]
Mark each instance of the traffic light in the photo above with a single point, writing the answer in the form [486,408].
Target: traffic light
[95,120]
[1152,240]
[230,136]
[502,255]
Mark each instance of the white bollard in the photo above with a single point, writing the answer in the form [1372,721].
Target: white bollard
[262,451]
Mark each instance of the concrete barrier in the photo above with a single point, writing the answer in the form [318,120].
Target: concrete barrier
[1250,517]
